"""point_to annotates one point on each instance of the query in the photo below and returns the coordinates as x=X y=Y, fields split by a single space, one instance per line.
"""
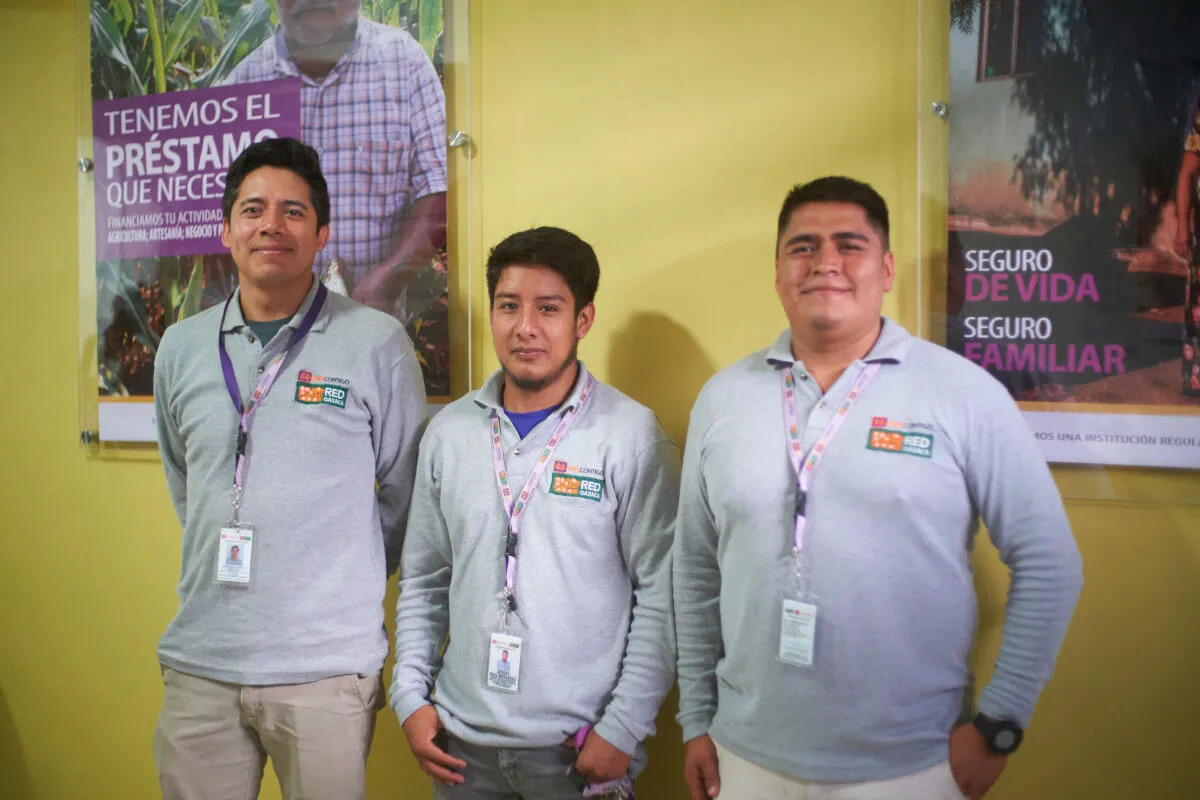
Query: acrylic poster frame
x=121 y=426
x=1142 y=483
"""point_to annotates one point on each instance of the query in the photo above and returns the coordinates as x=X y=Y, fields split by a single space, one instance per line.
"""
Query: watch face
x=1004 y=740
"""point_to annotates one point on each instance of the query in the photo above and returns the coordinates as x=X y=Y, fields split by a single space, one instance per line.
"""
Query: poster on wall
x=180 y=87
x=1072 y=277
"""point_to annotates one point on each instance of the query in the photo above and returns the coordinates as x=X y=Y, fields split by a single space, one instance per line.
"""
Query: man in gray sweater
x=288 y=422
x=832 y=485
x=539 y=543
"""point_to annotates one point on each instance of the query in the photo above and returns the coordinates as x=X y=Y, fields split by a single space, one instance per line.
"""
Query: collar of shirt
x=892 y=345
x=284 y=63
x=234 y=319
x=488 y=396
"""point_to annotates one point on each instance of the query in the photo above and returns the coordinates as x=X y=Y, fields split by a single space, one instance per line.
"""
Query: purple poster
x=161 y=163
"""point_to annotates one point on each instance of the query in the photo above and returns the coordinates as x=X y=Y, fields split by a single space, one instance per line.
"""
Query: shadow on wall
x=14 y=776
x=659 y=364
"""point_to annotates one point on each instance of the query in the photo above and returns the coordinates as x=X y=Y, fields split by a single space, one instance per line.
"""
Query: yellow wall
x=665 y=133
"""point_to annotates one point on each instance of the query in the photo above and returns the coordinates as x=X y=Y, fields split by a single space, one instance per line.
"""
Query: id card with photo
x=504 y=662
x=797 y=632
x=235 y=549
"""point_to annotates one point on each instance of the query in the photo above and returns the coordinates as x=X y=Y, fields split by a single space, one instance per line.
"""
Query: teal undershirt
x=265 y=331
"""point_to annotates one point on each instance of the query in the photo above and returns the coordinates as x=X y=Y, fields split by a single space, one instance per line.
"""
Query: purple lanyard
x=805 y=467
x=260 y=391
x=516 y=512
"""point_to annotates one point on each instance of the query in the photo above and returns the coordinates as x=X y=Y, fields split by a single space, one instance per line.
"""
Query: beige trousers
x=742 y=780
x=213 y=739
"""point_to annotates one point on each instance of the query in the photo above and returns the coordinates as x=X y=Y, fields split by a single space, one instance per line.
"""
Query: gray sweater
x=324 y=538
x=593 y=578
x=889 y=537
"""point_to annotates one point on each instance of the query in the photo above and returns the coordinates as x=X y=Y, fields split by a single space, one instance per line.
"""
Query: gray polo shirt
x=932 y=445
x=345 y=413
x=593 y=575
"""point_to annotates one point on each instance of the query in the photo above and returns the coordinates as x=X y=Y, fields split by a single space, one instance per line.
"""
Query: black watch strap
x=1002 y=737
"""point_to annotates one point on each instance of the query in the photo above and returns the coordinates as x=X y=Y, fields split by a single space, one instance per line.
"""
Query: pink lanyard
x=805 y=467
x=516 y=512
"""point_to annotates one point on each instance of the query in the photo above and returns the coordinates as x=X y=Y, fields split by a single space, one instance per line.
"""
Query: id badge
x=234 y=553
x=797 y=632
x=504 y=662
x=798 y=616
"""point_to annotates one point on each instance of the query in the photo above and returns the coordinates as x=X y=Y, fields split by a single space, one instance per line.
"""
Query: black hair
x=836 y=189
x=285 y=153
x=554 y=248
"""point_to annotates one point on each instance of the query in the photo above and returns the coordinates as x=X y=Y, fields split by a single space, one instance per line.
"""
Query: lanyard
x=260 y=391
x=516 y=512
x=805 y=467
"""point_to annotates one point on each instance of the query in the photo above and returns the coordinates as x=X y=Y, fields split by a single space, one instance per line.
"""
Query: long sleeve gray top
x=932 y=445
x=593 y=582
x=345 y=415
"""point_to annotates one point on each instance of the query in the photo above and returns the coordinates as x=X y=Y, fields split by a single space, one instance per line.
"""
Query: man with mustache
x=541 y=525
x=288 y=420
x=373 y=107
x=832 y=484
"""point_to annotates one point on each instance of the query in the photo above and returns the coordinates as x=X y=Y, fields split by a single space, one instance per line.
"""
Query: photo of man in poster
x=373 y=107
x=1185 y=247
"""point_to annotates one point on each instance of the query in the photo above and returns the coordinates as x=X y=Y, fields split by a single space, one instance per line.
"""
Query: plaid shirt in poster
x=378 y=121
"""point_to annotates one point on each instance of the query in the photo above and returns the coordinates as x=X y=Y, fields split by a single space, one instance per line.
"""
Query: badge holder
x=506 y=651
x=235 y=549
x=798 y=606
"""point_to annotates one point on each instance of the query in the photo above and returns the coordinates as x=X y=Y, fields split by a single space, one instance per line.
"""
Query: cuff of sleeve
x=694 y=724
x=407 y=704
x=992 y=706
x=615 y=734
x=425 y=187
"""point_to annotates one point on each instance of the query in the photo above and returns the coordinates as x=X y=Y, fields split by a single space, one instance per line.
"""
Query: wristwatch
x=1002 y=737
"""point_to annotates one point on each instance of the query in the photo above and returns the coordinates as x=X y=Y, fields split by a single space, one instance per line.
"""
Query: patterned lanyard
x=260 y=391
x=805 y=467
x=516 y=512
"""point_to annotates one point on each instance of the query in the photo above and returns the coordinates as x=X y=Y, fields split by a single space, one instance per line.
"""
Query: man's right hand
x=421 y=729
x=700 y=768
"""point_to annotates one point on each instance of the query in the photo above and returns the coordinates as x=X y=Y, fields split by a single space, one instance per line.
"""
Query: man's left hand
x=974 y=766
x=599 y=761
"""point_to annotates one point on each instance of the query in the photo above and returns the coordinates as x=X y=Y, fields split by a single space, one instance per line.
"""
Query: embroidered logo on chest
x=893 y=436
x=320 y=390
x=572 y=481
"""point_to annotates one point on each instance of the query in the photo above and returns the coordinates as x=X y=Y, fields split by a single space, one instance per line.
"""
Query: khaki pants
x=213 y=738
x=742 y=780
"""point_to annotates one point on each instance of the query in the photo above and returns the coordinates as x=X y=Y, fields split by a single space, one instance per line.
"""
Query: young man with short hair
x=288 y=422
x=541 y=525
x=831 y=489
